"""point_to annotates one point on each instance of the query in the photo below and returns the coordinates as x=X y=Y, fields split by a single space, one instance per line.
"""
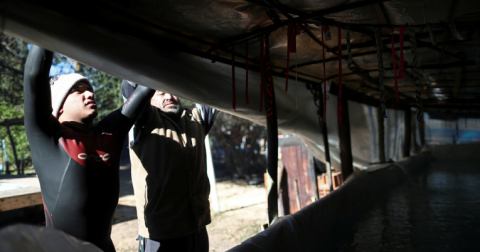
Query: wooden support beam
x=407 y=132
x=302 y=16
x=346 y=157
x=20 y=201
x=360 y=72
x=365 y=99
x=323 y=128
x=284 y=201
x=23 y=191
x=272 y=136
x=421 y=44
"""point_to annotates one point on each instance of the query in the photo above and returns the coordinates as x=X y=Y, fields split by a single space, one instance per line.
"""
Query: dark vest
x=169 y=175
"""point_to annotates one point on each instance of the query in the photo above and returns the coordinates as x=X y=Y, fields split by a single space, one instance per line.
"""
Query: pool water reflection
x=438 y=210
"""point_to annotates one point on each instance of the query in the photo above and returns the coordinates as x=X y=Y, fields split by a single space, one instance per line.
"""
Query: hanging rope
x=416 y=73
x=394 y=66
x=339 y=100
x=246 y=72
x=378 y=38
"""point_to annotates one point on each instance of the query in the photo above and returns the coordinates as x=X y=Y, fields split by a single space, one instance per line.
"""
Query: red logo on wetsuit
x=98 y=158
x=92 y=150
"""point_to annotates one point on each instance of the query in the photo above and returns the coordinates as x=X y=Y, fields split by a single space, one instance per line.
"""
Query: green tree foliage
x=237 y=146
x=9 y=111
x=13 y=53
x=237 y=149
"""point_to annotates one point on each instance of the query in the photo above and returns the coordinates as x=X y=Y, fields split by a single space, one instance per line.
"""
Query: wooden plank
x=18 y=192
x=300 y=185
x=323 y=187
x=20 y=201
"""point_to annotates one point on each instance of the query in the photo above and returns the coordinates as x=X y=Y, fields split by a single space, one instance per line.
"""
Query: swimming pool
x=437 y=210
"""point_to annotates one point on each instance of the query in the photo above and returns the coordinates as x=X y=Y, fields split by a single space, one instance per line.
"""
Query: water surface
x=438 y=210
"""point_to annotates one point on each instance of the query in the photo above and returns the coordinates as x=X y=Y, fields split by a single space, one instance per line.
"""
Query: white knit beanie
x=60 y=86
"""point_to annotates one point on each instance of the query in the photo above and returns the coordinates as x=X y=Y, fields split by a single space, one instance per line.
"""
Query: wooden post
x=17 y=163
x=284 y=199
x=407 y=132
x=272 y=136
x=381 y=135
x=211 y=177
x=346 y=158
x=323 y=127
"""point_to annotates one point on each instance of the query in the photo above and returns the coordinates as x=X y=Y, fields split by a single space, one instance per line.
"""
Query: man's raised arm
x=38 y=107
x=137 y=101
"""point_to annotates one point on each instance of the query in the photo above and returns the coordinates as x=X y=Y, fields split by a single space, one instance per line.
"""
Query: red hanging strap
x=324 y=79
x=402 y=62
x=394 y=65
x=234 y=102
x=262 y=77
x=339 y=100
x=246 y=69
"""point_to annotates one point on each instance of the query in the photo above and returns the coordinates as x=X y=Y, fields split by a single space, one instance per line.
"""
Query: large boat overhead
x=189 y=47
x=364 y=85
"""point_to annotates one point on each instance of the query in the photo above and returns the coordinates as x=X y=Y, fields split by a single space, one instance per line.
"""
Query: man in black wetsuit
x=169 y=174
x=77 y=162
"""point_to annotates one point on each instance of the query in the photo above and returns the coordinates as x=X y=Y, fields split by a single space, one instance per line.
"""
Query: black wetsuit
x=78 y=171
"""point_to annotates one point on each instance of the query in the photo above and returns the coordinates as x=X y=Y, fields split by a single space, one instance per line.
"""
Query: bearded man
x=169 y=173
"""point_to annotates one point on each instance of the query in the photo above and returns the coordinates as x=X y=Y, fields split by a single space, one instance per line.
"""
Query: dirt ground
x=242 y=212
